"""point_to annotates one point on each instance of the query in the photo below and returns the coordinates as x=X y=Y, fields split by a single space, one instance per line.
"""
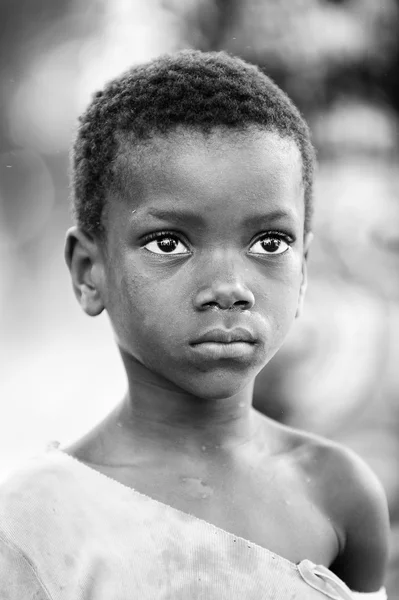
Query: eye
x=271 y=243
x=166 y=243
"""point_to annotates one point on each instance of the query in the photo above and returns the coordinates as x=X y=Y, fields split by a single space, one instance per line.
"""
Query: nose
x=225 y=291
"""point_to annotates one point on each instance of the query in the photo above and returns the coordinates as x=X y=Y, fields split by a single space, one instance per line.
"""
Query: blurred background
x=338 y=373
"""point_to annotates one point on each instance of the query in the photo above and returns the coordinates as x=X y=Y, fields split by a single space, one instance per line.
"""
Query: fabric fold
x=88 y=537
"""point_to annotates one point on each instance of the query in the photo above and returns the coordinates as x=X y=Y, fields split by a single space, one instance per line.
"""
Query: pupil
x=167 y=244
x=271 y=244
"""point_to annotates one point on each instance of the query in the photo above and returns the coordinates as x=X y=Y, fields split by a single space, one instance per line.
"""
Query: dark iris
x=167 y=244
x=271 y=244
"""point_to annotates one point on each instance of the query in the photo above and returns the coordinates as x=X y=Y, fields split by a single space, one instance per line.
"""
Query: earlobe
x=84 y=261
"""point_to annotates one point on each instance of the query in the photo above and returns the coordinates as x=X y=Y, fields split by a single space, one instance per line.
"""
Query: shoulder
x=341 y=472
x=19 y=577
x=29 y=498
x=353 y=499
x=347 y=488
x=46 y=469
x=351 y=490
x=361 y=513
x=35 y=489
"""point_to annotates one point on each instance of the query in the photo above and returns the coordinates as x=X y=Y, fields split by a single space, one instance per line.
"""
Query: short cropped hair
x=198 y=90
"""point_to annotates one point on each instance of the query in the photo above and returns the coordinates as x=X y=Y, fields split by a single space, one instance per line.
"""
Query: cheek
x=150 y=314
x=278 y=289
x=279 y=304
x=147 y=309
x=282 y=313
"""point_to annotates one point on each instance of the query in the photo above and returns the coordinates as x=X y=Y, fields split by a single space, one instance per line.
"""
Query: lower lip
x=216 y=350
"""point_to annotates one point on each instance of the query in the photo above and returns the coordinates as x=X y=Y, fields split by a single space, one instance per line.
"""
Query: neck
x=157 y=411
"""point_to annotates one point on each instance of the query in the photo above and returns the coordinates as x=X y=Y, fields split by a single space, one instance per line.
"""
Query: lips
x=238 y=345
x=226 y=336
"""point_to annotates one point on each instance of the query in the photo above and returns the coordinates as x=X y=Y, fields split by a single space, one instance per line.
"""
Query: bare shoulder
x=353 y=500
x=358 y=505
x=343 y=474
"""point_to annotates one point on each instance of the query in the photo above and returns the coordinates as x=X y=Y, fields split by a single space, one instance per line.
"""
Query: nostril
x=243 y=304
x=239 y=305
x=210 y=305
x=224 y=297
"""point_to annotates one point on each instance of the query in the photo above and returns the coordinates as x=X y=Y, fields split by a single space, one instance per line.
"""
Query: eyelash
x=156 y=235
x=277 y=234
x=162 y=234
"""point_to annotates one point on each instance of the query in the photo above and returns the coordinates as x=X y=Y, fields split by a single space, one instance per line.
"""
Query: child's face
x=185 y=255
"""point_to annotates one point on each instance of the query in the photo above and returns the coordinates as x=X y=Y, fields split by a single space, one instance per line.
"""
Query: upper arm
x=18 y=578
x=362 y=516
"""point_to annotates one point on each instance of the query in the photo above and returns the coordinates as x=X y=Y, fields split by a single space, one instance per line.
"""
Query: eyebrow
x=184 y=217
x=190 y=218
x=272 y=217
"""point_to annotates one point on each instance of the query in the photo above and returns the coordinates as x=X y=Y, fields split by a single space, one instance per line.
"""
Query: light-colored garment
x=381 y=595
x=69 y=533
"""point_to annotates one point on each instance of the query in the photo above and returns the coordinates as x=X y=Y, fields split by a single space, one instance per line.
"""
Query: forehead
x=231 y=170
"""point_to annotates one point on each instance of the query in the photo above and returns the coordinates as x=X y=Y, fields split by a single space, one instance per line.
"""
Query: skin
x=186 y=433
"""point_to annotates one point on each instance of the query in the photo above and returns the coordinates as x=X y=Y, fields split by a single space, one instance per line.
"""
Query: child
x=192 y=184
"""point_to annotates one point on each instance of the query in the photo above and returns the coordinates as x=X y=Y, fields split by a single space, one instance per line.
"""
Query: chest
x=269 y=506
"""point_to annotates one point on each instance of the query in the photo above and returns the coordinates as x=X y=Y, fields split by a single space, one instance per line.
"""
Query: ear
x=306 y=244
x=85 y=261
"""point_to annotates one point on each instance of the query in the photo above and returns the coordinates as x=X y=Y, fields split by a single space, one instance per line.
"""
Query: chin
x=216 y=380
x=218 y=385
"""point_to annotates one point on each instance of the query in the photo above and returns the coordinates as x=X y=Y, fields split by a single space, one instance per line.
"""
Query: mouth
x=226 y=336
x=226 y=343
